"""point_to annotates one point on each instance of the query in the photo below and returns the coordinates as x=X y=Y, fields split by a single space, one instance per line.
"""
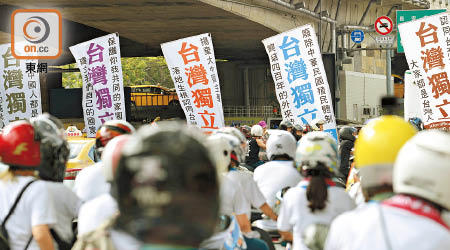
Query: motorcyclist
x=278 y=173
x=316 y=199
x=286 y=125
x=55 y=153
x=416 y=217
x=255 y=144
x=43 y=216
x=166 y=187
x=232 y=195
x=103 y=209
x=317 y=124
x=347 y=141
x=90 y=182
x=297 y=131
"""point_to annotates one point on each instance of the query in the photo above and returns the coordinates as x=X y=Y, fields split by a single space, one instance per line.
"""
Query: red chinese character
x=191 y=51
x=429 y=32
x=210 y=123
x=433 y=58
x=440 y=84
x=443 y=112
x=196 y=74
x=203 y=98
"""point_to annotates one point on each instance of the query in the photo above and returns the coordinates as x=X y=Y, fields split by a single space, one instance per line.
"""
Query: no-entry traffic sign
x=383 y=25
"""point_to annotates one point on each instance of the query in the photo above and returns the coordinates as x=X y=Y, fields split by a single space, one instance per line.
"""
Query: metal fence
x=251 y=111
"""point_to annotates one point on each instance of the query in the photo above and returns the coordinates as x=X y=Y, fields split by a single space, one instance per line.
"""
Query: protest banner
x=193 y=69
x=101 y=69
x=412 y=107
x=426 y=42
x=20 y=91
x=300 y=81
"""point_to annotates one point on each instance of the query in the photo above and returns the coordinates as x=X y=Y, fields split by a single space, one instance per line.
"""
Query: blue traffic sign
x=357 y=36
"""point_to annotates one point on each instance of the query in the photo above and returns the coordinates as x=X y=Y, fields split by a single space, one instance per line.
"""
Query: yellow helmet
x=377 y=146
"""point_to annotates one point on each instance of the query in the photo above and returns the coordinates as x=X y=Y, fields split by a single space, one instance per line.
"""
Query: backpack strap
x=11 y=210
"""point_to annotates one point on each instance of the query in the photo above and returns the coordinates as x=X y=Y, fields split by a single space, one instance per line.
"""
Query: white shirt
x=249 y=187
x=95 y=212
x=232 y=199
x=66 y=205
x=361 y=229
x=91 y=182
x=296 y=215
x=273 y=176
x=34 y=208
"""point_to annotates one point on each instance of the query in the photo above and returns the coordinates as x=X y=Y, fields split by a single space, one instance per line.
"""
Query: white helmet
x=315 y=124
x=422 y=167
x=220 y=146
x=111 y=155
x=317 y=147
x=280 y=143
x=257 y=130
x=239 y=151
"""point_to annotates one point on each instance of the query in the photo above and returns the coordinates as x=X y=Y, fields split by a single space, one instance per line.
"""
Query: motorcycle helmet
x=109 y=130
x=242 y=149
x=166 y=187
x=422 y=167
x=257 y=130
x=220 y=146
x=20 y=147
x=53 y=146
x=37 y=145
x=315 y=124
x=285 y=124
x=417 y=123
x=346 y=133
x=111 y=155
x=281 y=143
x=377 y=146
x=317 y=150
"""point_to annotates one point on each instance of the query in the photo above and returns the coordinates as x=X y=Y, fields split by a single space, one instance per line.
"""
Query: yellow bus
x=153 y=95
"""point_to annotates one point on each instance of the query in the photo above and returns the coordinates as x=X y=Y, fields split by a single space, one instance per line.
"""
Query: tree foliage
x=136 y=71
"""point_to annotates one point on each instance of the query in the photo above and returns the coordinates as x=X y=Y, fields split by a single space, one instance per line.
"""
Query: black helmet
x=53 y=146
x=166 y=187
x=346 y=133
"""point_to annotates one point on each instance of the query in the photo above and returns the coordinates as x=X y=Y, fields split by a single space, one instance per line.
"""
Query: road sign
x=384 y=39
x=357 y=36
x=383 y=25
x=409 y=15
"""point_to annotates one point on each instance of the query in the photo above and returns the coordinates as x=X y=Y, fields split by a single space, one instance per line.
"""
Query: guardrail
x=251 y=111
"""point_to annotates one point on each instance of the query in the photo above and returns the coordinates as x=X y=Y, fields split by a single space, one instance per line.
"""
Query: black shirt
x=253 y=154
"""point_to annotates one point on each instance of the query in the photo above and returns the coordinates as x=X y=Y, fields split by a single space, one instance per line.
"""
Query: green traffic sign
x=409 y=15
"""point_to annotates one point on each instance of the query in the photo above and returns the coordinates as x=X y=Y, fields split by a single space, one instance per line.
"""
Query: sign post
x=384 y=26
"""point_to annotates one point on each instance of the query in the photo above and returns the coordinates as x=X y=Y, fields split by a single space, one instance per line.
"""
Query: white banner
x=427 y=49
x=101 y=69
x=20 y=90
x=300 y=81
x=412 y=95
x=192 y=66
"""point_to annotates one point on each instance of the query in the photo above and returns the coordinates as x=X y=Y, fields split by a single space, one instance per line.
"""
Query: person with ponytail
x=308 y=209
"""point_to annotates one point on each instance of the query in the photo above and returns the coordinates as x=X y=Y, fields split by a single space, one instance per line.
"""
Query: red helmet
x=19 y=145
x=109 y=130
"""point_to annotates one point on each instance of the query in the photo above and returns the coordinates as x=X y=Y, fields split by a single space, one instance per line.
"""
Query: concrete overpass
x=237 y=28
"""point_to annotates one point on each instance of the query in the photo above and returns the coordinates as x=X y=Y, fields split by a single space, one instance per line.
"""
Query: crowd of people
x=168 y=186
